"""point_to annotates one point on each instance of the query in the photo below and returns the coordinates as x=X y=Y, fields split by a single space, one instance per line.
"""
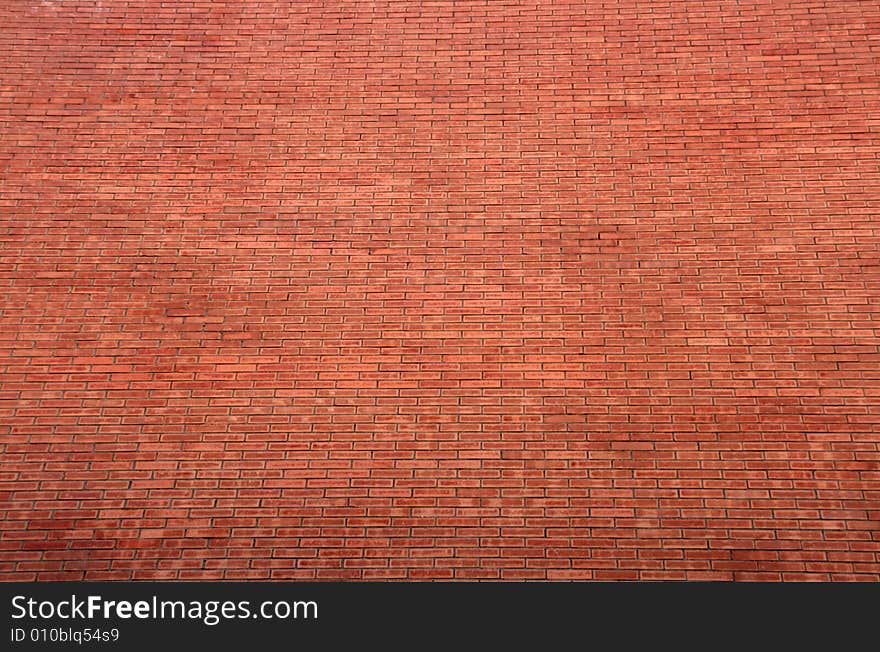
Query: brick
x=460 y=291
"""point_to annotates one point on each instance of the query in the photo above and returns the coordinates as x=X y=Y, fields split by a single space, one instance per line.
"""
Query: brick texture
x=464 y=290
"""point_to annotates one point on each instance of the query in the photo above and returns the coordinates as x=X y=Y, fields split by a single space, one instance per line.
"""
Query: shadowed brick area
x=410 y=290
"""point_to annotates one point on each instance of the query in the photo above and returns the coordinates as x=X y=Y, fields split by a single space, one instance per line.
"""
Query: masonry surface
x=457 y=290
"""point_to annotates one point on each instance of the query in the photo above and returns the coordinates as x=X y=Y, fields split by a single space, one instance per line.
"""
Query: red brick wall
x=517 y=290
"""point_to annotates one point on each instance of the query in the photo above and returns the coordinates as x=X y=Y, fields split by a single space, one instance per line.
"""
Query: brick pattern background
x=476 y=289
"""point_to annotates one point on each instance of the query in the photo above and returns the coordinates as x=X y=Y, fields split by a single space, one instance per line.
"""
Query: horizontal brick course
x=440 y=290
